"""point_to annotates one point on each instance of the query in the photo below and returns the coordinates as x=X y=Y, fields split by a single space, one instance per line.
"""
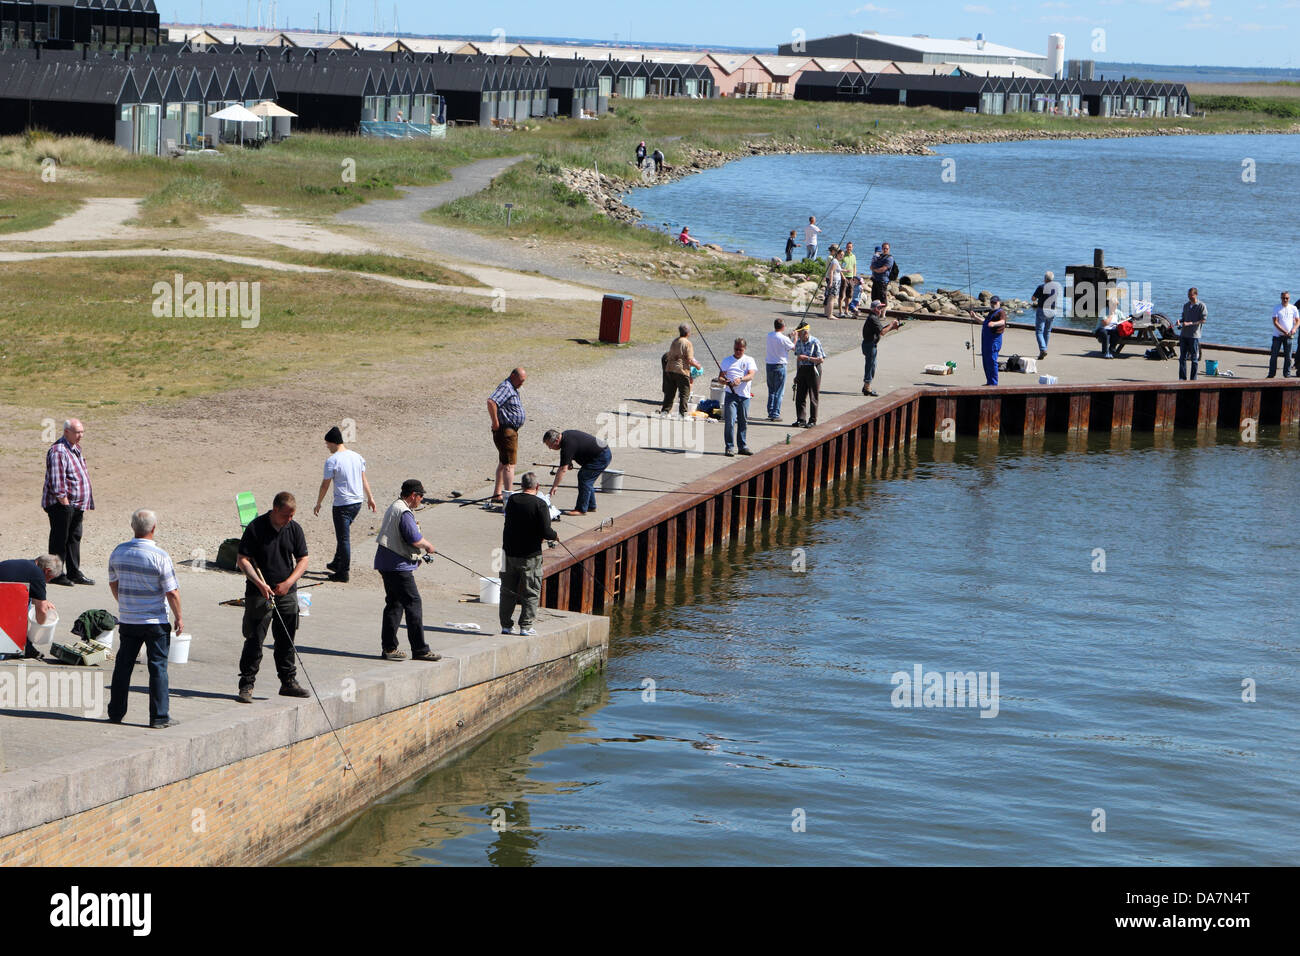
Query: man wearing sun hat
x=809 y=356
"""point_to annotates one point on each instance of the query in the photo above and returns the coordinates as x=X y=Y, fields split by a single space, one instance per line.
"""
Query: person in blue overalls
x=991 y=339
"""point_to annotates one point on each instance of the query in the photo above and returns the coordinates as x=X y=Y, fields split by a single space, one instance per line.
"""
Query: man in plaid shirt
x=66 y=498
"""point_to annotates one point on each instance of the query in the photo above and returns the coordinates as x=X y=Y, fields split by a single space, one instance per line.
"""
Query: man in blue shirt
x=809 y=356
x=143 y=581
x=882 y=264
x=507 y=414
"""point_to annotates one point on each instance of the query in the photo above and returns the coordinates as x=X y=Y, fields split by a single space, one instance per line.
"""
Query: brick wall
x=259 y=809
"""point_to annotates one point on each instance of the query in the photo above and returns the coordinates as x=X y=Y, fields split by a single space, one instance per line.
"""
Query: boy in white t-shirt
x=347 y=470
x=1285 y=320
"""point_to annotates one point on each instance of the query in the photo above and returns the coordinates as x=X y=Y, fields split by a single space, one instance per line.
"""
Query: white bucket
x=489 y=590
x=717 y=393
x=304 y=604
x=611 y=481
x=41 y=635
x=180 y=649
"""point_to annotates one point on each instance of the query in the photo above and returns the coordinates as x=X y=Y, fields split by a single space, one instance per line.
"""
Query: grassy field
x=82 y=334
x=1284 y=89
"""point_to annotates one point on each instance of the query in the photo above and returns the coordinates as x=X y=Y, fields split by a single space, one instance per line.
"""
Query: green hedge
x=1285 y=108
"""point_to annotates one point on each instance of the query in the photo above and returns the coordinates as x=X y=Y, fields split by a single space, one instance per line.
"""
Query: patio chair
x=246 y=507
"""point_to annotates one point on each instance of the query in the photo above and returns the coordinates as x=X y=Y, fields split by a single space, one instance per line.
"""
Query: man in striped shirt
x=66 y=497
x=143 y=581
x=507 y=414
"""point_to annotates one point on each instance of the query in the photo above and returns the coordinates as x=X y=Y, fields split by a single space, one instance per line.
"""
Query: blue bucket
x=1211 y=367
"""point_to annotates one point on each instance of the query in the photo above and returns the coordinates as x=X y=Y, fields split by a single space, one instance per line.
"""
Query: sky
x=1246 y=33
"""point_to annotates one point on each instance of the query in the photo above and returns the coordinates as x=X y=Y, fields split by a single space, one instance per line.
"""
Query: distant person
x=143 y=581
x=809 y=356
x=658 y=157
x=1189 y=334
x=791 y=244
x=506 y=411
x=400 y=118
x=640 y=154
x=882 y=264
x=1046 y=301
x=834 y=278
x=527 y=525
x=592 y=457
x=400 y=547
x=849 y=262
x=1107 y=331
x=66 y=497
x=779 y=347
x=810 y=233
x=874 y=328
x=1285 y=321
x=347 y=470
x=995 y=323
x=36 y=574
x=738 y=371
x=272 y=556
x=678 y=363
x=686 y=239
x=856 y=297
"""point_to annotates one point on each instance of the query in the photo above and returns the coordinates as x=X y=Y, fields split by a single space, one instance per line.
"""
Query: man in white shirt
x=347 y=470
x=779 y=346
x=810 y=232
x=1285 y=320
x=738 y=370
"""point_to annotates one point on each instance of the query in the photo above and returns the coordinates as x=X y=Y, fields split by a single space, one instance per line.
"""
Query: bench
x=1153 y=330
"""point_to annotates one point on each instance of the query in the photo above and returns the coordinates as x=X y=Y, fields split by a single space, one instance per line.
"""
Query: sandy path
x=97 y=220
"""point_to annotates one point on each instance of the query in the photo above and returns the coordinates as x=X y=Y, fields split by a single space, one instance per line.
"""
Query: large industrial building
x=916 y=49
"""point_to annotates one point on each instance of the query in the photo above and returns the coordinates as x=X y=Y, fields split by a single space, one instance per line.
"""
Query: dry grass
x=1268 y=90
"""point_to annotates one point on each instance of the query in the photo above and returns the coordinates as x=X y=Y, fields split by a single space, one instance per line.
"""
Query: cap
x=803 y=326
x=412 y=486
x=334 y=436
x=995 y=301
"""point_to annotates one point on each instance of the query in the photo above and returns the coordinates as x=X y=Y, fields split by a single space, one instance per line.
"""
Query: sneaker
x=746 y=451
x=730 y=453
x=245 y=695
x=163 y=724
x=293 y=689
x=528 y=631
x=508 y=630
x=396 y=655
x=426 y=654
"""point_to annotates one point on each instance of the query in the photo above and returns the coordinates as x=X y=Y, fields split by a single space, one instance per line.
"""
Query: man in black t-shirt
x=528 y=522
x=875 y=326
x=273 y=556
x=35 y=574
x=592 y=455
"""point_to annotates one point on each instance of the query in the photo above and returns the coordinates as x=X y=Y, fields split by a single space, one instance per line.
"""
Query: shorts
x=507 y=441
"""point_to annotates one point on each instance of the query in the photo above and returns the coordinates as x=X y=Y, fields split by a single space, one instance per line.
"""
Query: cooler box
x=616 y=319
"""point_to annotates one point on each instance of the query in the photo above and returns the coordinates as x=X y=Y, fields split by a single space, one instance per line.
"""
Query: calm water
x=1173 y=211
x=1119 y=690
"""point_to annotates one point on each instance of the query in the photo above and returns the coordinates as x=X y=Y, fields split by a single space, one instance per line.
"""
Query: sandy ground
x=425 y=416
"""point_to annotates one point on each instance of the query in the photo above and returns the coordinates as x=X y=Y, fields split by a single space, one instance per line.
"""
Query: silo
x=1056 y=55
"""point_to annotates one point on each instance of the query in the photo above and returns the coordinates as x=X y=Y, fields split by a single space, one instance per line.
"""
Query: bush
x=1283 y=108
x=184 y=198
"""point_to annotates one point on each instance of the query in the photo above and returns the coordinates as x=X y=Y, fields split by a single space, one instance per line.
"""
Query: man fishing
x=995 y=323
x=738 y=370
x=1189 y=334
x=401 y=545
x=809 y=356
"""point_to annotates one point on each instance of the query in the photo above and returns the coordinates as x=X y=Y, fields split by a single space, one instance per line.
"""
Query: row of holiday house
x=1000 y=94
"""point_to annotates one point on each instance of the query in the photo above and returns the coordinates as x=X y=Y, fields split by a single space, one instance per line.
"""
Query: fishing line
x=870 y=187
x=969 y=296
x=275 y=609
x=703 y=339
x=589 y=573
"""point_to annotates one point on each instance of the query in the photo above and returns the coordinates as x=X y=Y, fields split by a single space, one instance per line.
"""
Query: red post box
x=616 y=319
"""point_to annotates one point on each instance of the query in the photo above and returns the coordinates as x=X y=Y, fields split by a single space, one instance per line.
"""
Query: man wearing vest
x=397 y=557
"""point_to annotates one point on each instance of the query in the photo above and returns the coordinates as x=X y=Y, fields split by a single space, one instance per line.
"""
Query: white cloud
x=1055 y=5
x=871 y=8
x=978 y=8
x=1189 y=5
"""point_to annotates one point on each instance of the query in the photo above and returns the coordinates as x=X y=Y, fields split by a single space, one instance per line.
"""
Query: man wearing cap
x=809 y=356
x=882 y=264
x=873 y=329
x=347 y=470
x=507 y=414
x=994 y=325
x=396 y=558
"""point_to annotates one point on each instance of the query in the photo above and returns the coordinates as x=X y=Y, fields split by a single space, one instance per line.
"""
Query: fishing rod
x=870 y=187
x=721 y=373
x=584 y=567
x=968 y=296
x=678 y=491
x=628 y=474
x=275 y=609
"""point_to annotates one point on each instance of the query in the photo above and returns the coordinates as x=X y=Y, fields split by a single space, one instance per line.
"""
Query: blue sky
x=1252 y=33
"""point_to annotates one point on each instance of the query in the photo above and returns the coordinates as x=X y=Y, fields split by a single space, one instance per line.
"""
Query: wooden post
x=650 y=559
x=631 y=567
x=1290 y=414
x=990 y=418
x=609 y=578
x=1035 y=416
x=1250 y=400
x=710 y=536
x=1207 y=412
x=1080 y=407
x=1121 y=416
x=944 y=408
x=586 y=585
x=724 y=516
x=914 y=422
x=1166 y=407
x=668 y=556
